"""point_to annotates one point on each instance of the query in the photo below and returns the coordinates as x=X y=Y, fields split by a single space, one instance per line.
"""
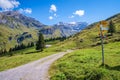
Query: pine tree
x=1 y=52
x=5 y=51
x=32 y=44
x=29 y=45
x=10 y=51
x=22 y=46
x=40 y=45
x=16 y=47
x=111 y=28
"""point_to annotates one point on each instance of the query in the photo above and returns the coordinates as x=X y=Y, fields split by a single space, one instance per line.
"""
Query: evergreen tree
x=1 y=52
x=111 y=28
x=5 y=52
x=10 y=51
x=40 y=45
x=16 y=47
x=22 y=46
x=32 y=44
x=29 y=45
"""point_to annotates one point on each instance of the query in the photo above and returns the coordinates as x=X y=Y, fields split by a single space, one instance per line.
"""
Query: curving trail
x=37 y=70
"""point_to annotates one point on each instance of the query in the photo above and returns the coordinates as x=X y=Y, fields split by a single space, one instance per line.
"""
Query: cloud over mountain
x=8 y=4
x=27 y=10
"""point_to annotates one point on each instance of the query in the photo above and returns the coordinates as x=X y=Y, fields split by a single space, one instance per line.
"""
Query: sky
x=50 y=12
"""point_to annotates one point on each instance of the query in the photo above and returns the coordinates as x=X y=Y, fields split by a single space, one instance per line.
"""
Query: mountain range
x=16 y=28
x=90 y=36
x=63 y=29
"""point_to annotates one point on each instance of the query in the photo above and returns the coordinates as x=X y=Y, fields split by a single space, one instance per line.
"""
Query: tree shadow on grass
x=117 y=68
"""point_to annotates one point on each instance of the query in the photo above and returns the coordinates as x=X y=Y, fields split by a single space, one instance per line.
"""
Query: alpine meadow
x=59 y=40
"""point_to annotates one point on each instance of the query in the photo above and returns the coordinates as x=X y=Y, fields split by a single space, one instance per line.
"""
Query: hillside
x=87 y=59
x=85 y=64
x=90 y=36
x=63 y=29
x=16 y=28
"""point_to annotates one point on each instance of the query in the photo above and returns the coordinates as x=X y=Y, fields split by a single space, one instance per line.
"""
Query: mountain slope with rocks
x=16 y=28
x=63 y=29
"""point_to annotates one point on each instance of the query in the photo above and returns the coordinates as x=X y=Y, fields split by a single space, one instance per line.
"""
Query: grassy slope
x=89 y=36
x=87 y=60
x=27 y=55
x=85 y=64
x=24 y=56
x=6 y=32
x=55 y=34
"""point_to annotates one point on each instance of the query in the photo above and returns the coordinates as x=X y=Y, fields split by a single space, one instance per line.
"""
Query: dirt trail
x=37 y=70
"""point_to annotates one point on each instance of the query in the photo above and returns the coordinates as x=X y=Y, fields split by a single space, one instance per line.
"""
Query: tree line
x=40 y=45
x=4 y=52
x=58 y=38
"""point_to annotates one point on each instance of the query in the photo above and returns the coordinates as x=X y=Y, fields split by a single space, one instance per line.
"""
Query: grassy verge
x=85 y=64
x=26 y=55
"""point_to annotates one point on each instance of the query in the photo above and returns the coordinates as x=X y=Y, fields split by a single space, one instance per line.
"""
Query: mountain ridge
x=90 y=35
x=16 y=28
x=64 y=29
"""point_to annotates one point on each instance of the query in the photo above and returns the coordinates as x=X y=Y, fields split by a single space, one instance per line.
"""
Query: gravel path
x=37 y=70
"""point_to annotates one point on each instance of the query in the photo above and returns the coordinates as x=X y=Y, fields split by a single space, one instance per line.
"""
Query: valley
x=16 y=28
x=37 y=68
x=83 y=63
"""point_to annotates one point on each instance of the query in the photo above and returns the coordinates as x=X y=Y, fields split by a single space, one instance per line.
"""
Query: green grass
x=90 y=36
x=85 y=64
x=6 y=32
x=26 y=55
x=53 y=42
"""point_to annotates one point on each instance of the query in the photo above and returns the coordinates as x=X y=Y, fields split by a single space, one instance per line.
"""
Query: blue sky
x=53 y=11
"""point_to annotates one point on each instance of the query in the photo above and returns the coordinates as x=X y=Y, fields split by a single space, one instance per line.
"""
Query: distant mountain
x=63 y=29
x=15 y=18
x=90 y=35
x=16 y=28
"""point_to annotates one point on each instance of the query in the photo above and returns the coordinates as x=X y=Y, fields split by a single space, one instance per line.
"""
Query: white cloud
x=50 y=17
x=79 y=12
x=55 y=15
x=53 y=8
x=27 y=10
x=71 y=16
x=8 y=4
x=72 y=23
